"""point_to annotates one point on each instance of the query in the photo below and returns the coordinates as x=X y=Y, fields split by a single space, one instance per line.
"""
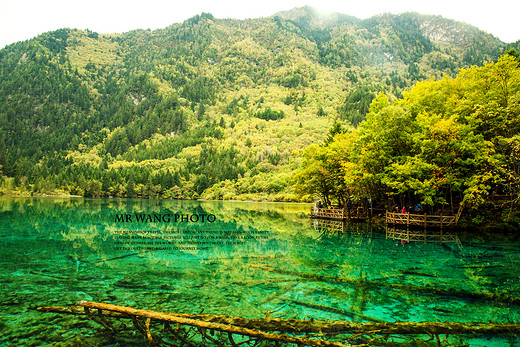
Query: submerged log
x=294 y=325
x=231 y=329
x=370 y=284
x=352 y=315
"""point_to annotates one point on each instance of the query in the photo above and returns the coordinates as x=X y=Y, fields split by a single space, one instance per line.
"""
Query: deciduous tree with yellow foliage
x=444 y=143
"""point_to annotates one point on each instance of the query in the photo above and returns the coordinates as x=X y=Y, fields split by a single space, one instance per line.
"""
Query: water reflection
x=253 y=259
x=409 y=234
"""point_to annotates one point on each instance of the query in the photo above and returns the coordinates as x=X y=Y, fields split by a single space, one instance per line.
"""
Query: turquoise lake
x=244 y=259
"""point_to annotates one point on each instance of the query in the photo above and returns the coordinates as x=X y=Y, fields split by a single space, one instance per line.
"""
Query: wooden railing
x=421 y=220
x=338 y=213
x=327 y=213
x=500 y=200
x=358 y=213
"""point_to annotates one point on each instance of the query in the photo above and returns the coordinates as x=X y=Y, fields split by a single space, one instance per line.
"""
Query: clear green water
x=253 y=259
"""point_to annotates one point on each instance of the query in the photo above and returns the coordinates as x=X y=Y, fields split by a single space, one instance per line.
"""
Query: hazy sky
x=24 y=19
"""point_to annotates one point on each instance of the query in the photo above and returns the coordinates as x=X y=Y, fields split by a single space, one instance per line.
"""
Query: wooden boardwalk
x=421 y=220
x=339 y=214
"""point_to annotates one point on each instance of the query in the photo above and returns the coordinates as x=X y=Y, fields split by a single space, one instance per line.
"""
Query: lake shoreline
x=487 y=230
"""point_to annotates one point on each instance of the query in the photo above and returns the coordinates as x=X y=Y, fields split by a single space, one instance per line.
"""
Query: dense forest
x=227 y=109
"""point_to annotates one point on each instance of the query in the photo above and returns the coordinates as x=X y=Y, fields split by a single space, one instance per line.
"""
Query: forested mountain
x=212 y=108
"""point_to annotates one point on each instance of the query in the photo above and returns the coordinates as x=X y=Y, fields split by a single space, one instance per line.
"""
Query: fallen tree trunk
x=300 y=326
x=231 y=329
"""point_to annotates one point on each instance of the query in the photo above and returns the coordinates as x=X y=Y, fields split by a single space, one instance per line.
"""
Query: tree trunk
x=259 y=327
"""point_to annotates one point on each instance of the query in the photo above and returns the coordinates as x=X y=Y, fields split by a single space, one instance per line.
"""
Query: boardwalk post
x=437 y=223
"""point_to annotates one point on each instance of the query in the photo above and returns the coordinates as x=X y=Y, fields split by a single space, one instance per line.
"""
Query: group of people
x=418 y=209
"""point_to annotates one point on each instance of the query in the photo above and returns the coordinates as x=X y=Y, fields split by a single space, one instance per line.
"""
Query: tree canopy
x=445 y=142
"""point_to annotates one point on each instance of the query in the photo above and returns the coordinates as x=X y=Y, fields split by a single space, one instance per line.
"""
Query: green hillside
x=208 y=108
